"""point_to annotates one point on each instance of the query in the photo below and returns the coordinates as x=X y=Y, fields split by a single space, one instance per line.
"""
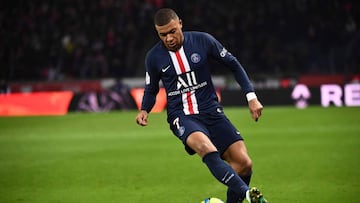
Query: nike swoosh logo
x=165 y=69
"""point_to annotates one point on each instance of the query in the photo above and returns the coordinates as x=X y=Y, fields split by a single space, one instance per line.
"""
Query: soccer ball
x=212 y=200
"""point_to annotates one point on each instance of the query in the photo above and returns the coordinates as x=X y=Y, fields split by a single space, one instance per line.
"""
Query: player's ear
x=180 y=23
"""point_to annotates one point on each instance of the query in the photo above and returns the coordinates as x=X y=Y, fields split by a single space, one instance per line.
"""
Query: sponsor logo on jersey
x=223 y=52
x=186 y=79
x=165 y=69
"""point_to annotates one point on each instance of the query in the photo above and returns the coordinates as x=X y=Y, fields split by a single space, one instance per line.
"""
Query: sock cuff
x=210 y=156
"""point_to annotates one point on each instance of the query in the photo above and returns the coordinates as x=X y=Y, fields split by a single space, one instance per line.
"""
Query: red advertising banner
x=35 y=104
x=74 y=86
x=160 y=104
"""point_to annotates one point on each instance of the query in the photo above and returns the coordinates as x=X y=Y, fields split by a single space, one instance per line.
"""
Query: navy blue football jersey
x=185 y=74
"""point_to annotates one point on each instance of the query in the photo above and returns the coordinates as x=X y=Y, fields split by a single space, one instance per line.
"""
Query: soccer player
x=181 y=61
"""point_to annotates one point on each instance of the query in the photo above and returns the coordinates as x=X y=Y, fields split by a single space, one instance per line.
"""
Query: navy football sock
x=225 y=174
x=247 y=178
x=233 y=196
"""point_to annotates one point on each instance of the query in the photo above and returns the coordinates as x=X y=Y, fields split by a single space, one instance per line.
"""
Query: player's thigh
x=200 y=143
x=237 y=156
x=223 y=133
x=185 y=127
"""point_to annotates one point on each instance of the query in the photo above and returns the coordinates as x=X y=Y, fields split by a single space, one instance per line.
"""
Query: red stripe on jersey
x=188 y=94
x=190 y=103
x=181 y=63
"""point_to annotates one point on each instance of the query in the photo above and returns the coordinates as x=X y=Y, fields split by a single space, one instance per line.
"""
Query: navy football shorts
x=213 y=124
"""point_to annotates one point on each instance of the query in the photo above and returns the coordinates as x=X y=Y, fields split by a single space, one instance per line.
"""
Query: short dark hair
x=164 y=15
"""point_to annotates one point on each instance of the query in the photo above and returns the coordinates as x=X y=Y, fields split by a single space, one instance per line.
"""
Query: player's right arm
x=152 y=79
x=141 y=118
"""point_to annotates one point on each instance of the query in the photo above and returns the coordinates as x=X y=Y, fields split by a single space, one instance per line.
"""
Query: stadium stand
x=45 y=40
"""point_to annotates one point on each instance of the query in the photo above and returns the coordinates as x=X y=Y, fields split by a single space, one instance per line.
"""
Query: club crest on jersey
x=181 y=131
x=195 y=58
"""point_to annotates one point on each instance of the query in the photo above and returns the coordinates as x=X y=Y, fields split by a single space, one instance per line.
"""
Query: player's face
x=171 y=34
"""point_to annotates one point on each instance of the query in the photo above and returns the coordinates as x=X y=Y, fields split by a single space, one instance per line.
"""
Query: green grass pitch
x=309 y=155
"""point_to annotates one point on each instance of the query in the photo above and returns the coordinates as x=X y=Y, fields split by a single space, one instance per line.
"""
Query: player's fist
x=255 y=108
x=141 y=118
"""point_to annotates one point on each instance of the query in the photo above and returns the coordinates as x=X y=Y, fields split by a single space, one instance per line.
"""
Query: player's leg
x=230 y=144
x=223 y=172
x=236 y=155
x=200 y=143
x=193 y=133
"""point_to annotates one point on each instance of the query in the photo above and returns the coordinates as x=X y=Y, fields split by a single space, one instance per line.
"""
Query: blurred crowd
x=87 y=39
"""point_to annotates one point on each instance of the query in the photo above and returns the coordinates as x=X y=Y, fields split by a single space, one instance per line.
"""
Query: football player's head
x=169 y=28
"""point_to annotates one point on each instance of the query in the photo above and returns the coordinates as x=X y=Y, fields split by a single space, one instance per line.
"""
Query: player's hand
x=255 y=109
x=141 y=118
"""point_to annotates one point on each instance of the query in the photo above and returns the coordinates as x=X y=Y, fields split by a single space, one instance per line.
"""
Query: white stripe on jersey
x=183 y=68
x=186 y=107
x=181 y=64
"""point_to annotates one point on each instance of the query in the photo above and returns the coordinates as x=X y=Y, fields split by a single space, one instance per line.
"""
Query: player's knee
x=247 y=167
x=200 y=143
x=204 y=148
x=243 y=167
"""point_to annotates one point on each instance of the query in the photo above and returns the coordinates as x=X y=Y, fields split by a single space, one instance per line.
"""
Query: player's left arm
x=255 y=107
x=226 y=58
